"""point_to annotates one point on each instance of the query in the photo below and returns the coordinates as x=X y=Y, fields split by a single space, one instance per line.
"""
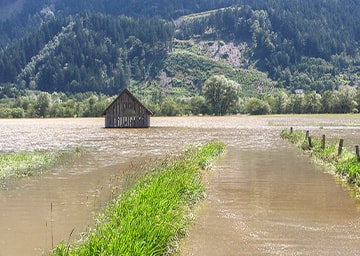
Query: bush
x=256 y=106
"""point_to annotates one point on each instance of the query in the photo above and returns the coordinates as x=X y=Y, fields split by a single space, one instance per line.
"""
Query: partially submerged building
x=126 y=111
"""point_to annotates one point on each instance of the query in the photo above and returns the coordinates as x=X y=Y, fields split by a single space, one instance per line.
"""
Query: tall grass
x=346 y=165
x=150 y=217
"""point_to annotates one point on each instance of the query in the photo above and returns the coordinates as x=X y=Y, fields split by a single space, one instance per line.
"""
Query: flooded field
x=264 y=196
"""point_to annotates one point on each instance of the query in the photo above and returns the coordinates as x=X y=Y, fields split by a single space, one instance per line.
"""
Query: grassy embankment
x=17 y=165
x=346 y=165
x=151 y=216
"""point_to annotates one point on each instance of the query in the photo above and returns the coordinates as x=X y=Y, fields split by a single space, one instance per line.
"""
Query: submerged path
x=274 y=202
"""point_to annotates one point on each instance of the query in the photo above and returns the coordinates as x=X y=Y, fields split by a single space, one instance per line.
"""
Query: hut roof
x=133 y=97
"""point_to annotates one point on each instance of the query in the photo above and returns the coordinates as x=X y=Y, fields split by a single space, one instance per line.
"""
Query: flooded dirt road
x=264 y=196
x=253 y=210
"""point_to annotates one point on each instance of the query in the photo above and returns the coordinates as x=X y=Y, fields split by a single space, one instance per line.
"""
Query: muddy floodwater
x=264 y=196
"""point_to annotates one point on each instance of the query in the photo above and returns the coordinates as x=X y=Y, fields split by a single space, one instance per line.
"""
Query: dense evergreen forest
x=91 y=52
x=167 y=51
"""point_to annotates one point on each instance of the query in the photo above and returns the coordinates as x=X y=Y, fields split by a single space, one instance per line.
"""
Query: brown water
x=264 y=196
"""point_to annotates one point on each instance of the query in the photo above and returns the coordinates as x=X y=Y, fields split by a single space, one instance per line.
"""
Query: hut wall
x=128 y=113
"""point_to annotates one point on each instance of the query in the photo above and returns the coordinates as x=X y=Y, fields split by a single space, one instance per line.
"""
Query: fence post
x=357 y=152
x=291 y=130
x=307 y=135
x=341 y=144
x=323 y=142
x=310 y=143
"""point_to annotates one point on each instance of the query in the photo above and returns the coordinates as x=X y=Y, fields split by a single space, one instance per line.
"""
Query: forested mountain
x=300 y=44
x=170 y=48
x=91 y=52
x=21 y=16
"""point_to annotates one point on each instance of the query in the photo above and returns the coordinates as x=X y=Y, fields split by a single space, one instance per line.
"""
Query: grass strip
x=150 y=217
x=25 y=163
x=345 y=165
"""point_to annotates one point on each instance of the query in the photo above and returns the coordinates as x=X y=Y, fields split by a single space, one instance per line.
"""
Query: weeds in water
x=295 y=137
x=25 y=164
x=152 y=215
x=346 y=165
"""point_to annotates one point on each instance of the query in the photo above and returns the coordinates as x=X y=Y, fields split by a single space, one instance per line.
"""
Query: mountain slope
x=85 y=46
x=92 y=52
x=21 y=17
x=9 y=8
x=299 y=51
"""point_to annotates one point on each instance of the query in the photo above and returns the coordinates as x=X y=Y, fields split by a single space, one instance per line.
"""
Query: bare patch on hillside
x=231 y=52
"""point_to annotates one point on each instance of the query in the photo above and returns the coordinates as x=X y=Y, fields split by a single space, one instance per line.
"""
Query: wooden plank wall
x=128 y=113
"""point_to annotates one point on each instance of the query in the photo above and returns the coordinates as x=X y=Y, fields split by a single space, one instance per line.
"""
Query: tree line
x=43 y=104
x=221 y=96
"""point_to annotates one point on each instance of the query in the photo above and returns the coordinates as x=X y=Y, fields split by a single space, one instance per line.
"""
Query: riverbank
x=150 y=217
x=344 y=163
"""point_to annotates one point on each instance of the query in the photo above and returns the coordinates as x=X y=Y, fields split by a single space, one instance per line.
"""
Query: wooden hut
x=126 y=111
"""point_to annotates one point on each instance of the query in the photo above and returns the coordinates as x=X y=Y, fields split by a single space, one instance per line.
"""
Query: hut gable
x=126 y=111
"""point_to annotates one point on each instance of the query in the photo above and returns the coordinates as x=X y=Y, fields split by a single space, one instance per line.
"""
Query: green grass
x=152 y=216
x=346 y=165
x=25 y=163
